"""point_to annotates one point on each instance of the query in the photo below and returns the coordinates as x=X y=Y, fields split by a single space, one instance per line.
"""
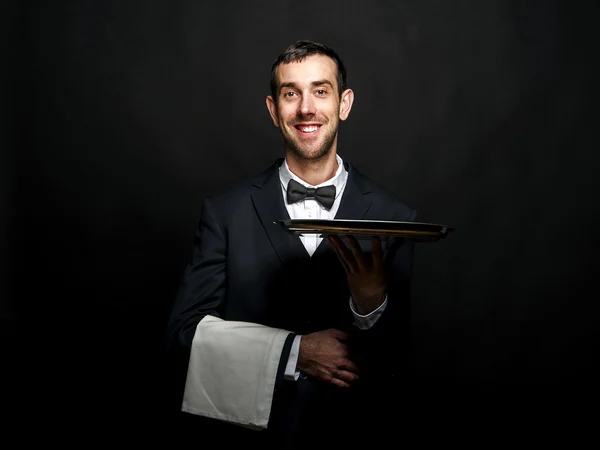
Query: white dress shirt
x=309 y=208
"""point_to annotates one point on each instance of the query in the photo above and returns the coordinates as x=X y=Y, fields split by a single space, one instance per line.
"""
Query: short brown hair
x=301 y=50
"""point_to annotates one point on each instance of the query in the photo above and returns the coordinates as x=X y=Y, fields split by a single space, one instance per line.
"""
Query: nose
x=307 y=105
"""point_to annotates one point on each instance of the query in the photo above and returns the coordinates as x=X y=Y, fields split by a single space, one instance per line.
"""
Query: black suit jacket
x=246 y=267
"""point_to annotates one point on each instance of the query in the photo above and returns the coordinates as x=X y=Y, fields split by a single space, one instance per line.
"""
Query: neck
x=313 y=172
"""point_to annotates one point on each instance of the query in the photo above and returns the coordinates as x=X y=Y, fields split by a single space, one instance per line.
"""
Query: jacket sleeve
x=198 y=352
x=386 y=344
x=203 y=287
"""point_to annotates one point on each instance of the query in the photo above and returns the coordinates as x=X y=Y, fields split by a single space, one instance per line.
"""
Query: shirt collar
x=338 y=180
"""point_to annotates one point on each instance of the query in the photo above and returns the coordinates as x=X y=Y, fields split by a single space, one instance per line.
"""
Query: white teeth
x=308 y=129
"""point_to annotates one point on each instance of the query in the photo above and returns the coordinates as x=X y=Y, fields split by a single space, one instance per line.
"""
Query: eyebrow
x=314 y=83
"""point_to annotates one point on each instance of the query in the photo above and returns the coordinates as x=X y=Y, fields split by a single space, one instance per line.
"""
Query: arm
x=214 y=345
x=382 y=281
x=382 y=299
x=388 y=341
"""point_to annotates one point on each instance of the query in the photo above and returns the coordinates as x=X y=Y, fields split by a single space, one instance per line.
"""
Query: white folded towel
x=232 y=370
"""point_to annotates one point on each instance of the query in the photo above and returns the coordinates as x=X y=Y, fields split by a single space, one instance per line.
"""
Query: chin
x=310 y=154
x=315 y=152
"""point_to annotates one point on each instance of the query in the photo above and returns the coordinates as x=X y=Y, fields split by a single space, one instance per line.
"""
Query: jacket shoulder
x=240 y=191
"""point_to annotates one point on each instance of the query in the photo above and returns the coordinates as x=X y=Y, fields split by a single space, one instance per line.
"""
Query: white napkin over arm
x=232 y=371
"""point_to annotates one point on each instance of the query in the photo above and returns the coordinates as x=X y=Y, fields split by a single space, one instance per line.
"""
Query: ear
x=346 y=102
x=272 y=107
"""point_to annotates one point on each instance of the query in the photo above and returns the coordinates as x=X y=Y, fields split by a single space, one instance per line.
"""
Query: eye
x=321 y=92
x=289 y=94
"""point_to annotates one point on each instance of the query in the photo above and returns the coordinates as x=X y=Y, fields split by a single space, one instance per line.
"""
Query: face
x=308 y=109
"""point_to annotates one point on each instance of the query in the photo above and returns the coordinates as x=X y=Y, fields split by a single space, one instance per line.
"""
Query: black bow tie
x=325 y=195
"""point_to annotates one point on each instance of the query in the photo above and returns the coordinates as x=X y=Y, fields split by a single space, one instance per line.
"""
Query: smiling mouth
x=307 y=128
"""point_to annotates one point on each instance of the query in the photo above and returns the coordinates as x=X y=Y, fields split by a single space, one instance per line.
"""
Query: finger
x=340 y=335
x=356 y=251
x=346 y=376
x=339 y=383
x=349 y=366
x=344 y=254
x=336 y=249
x=377 y=252
x=391 y=251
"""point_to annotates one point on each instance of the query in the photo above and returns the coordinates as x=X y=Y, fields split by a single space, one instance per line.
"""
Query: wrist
x=365 y=306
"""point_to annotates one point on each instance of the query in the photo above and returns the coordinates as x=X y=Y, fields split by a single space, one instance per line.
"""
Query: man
x=299 y=337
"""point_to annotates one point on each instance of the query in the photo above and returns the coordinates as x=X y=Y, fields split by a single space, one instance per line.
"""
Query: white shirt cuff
x=290 y=369
x=367 y=321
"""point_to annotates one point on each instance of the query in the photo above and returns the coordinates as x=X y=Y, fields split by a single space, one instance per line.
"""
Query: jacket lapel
x=356 y=200
x=268 y=202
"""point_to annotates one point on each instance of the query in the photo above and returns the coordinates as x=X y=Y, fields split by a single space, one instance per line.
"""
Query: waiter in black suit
x=296 y=341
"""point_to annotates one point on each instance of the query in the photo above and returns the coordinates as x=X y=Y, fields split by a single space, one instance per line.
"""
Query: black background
x=121 y=116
